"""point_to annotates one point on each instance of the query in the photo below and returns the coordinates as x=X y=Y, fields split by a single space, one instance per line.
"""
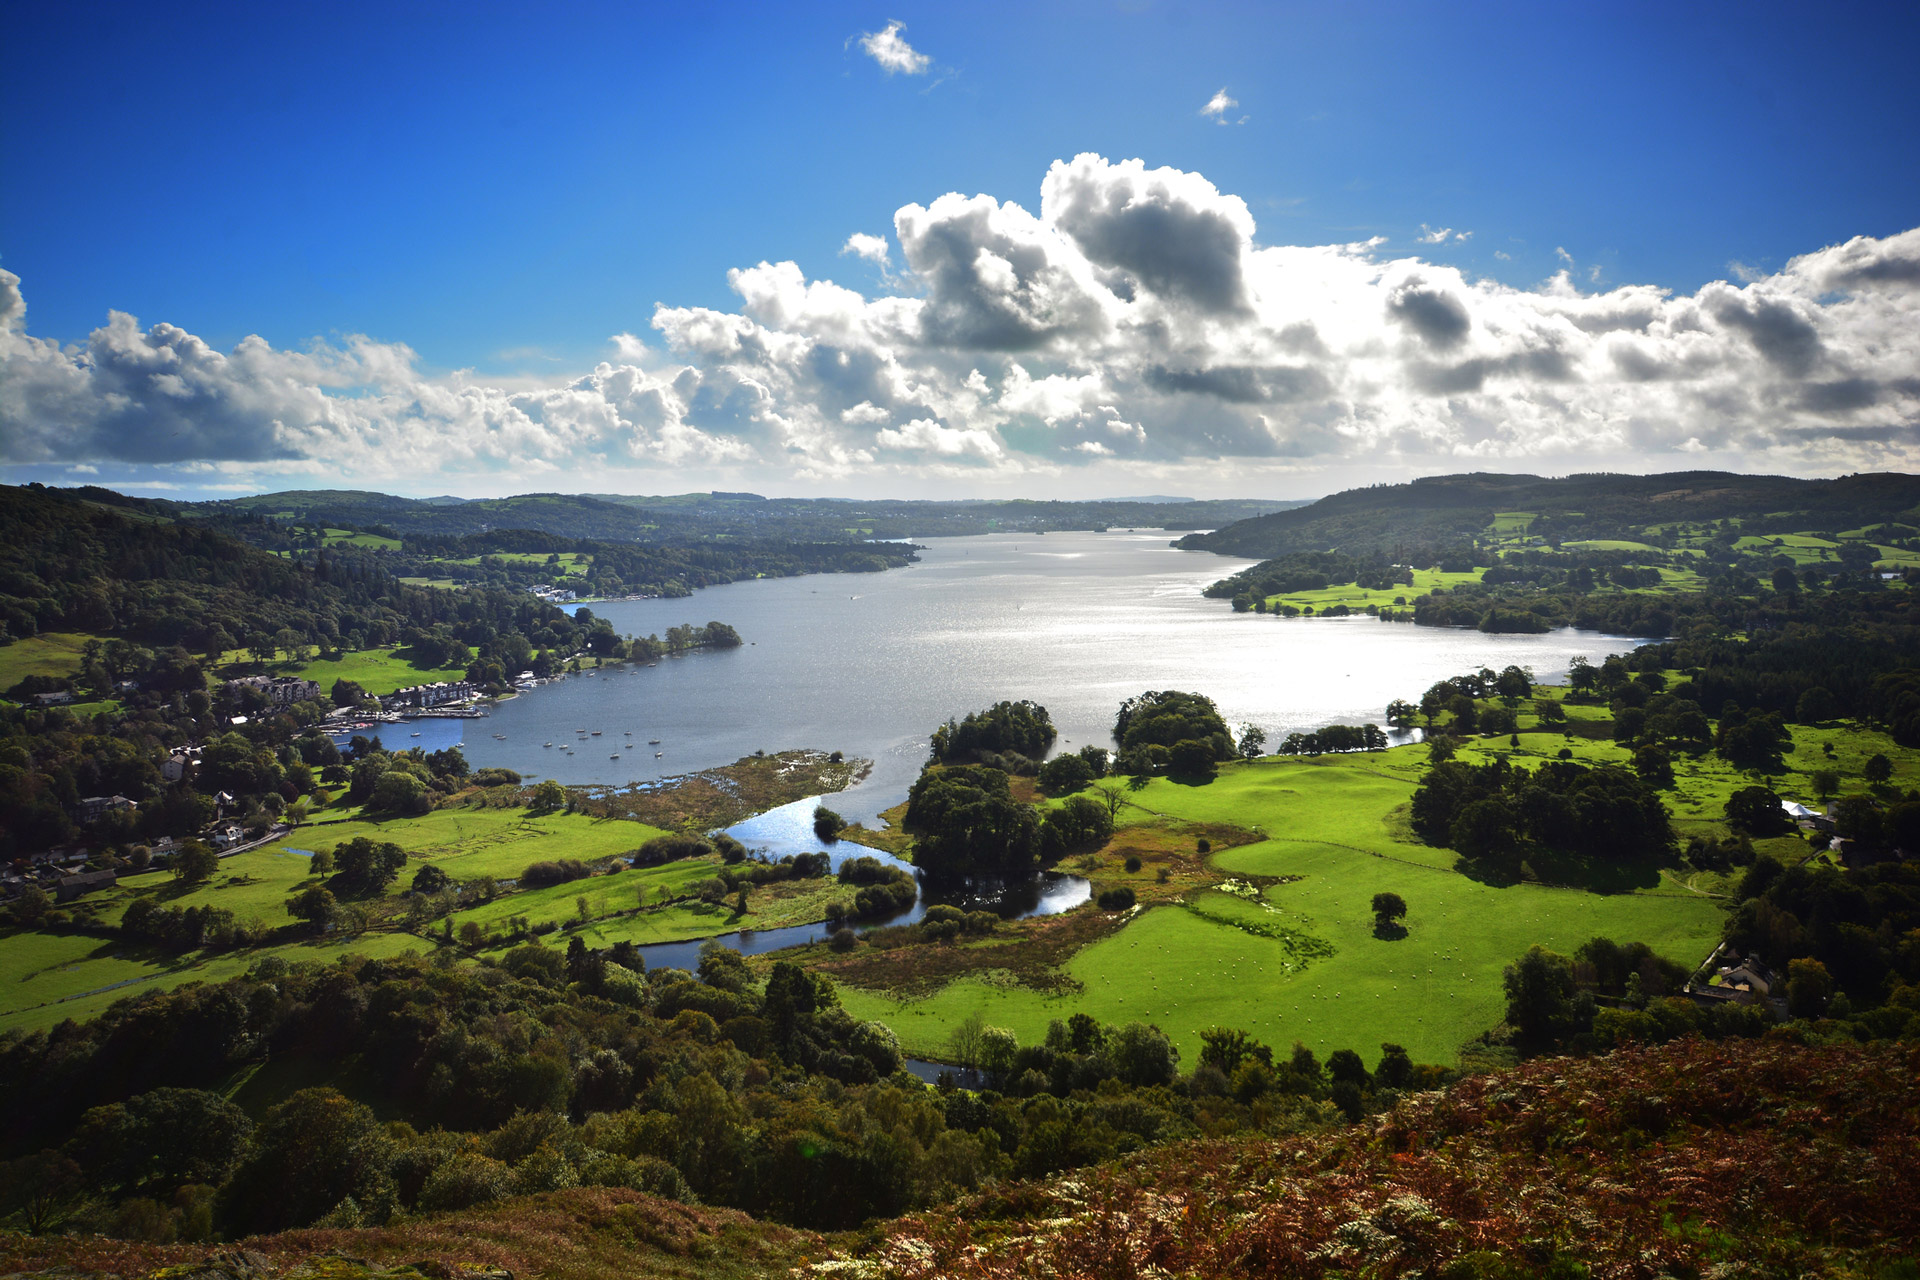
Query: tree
x=1080 y=820
x=430 y=879
x=827 y=824
x=1809 y=988
x=1396 y=1067
x=194 y=863
x=348 y=693
x=311 y=1153
x=1757 y=811
x=315 y=905
x=1226 y=1048
x=1486 y=829
x=1064 y=774
x=156 y=1141
x=964 y=1041
x=1020 y=728
x=1345 y=1067
x=1388 y=910
x=1826 y=783
x=1167 y=717
x=548 y=797
x=1191 y=758
x=400 y=792
x=369 y=865
x=42 y=1189
x=1654 y=766
x=1816 y=705
x=1253 y=742
x=1401 y=713
x=965 y=819
x=1878 y=768
x=1142 y=1055
x=1540 y=991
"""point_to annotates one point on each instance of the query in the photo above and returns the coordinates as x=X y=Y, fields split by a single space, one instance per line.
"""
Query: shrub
x=670 y=848
x=843 y=940
x=467 y=1180
x=556 y=871
x=826 y=823
x=1133 y=862
x=1121 y=899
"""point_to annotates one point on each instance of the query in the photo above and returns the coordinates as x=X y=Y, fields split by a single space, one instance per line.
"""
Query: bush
x=467 y=1180
x=827 y=824
x=843 y=940
x=1081 y=820
x=670 y=848
x=1133 y=862
x=496 y=778
x=1121 y=899
x=555 y=871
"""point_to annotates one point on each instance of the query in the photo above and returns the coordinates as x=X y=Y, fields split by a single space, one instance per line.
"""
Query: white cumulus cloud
x=890 y=49
x=1219 y=107
x=1132 y=321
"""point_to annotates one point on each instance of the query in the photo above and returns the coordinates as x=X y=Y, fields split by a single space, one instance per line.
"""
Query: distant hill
x=1442 y=510
x=699 y=517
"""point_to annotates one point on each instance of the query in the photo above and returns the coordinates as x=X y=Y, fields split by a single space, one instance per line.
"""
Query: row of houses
x=437 y=694
x=280 y=690
x=62 y=884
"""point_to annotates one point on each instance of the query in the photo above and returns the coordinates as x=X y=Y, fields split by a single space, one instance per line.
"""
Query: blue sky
x=503 y=189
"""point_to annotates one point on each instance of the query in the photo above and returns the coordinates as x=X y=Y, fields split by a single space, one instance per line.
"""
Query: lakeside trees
x=1019 y=733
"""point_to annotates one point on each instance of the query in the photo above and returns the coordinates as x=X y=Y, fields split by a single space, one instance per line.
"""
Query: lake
x=869 y=664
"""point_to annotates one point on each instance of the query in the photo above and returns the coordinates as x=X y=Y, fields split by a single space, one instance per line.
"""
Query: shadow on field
x=1569 y=870
x=1595 y=874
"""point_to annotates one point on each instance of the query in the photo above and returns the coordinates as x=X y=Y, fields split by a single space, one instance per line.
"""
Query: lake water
x=869 y=664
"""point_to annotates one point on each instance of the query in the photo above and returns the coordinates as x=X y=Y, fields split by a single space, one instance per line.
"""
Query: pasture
x=1299 y=959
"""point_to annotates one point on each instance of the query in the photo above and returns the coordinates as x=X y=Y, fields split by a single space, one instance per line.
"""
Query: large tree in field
x=1388 y=909
x=368 y=865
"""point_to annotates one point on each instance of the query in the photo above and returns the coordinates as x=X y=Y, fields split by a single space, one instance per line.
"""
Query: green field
x=573 y=564
x=348 y=538
x=438 y=584
x=47 y=978
x=51 y=653
x=1338 y=825
x=1608 y=544
x=377 y=671
x=468 y=842
x=37 y=970
x=1358 y=597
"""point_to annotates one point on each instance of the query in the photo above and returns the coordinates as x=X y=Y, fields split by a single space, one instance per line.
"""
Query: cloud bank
x=1134 y=323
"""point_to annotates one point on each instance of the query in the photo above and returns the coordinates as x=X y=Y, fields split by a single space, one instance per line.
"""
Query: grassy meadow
x=377 y=671
x=1332 y=833
x=51 y=653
